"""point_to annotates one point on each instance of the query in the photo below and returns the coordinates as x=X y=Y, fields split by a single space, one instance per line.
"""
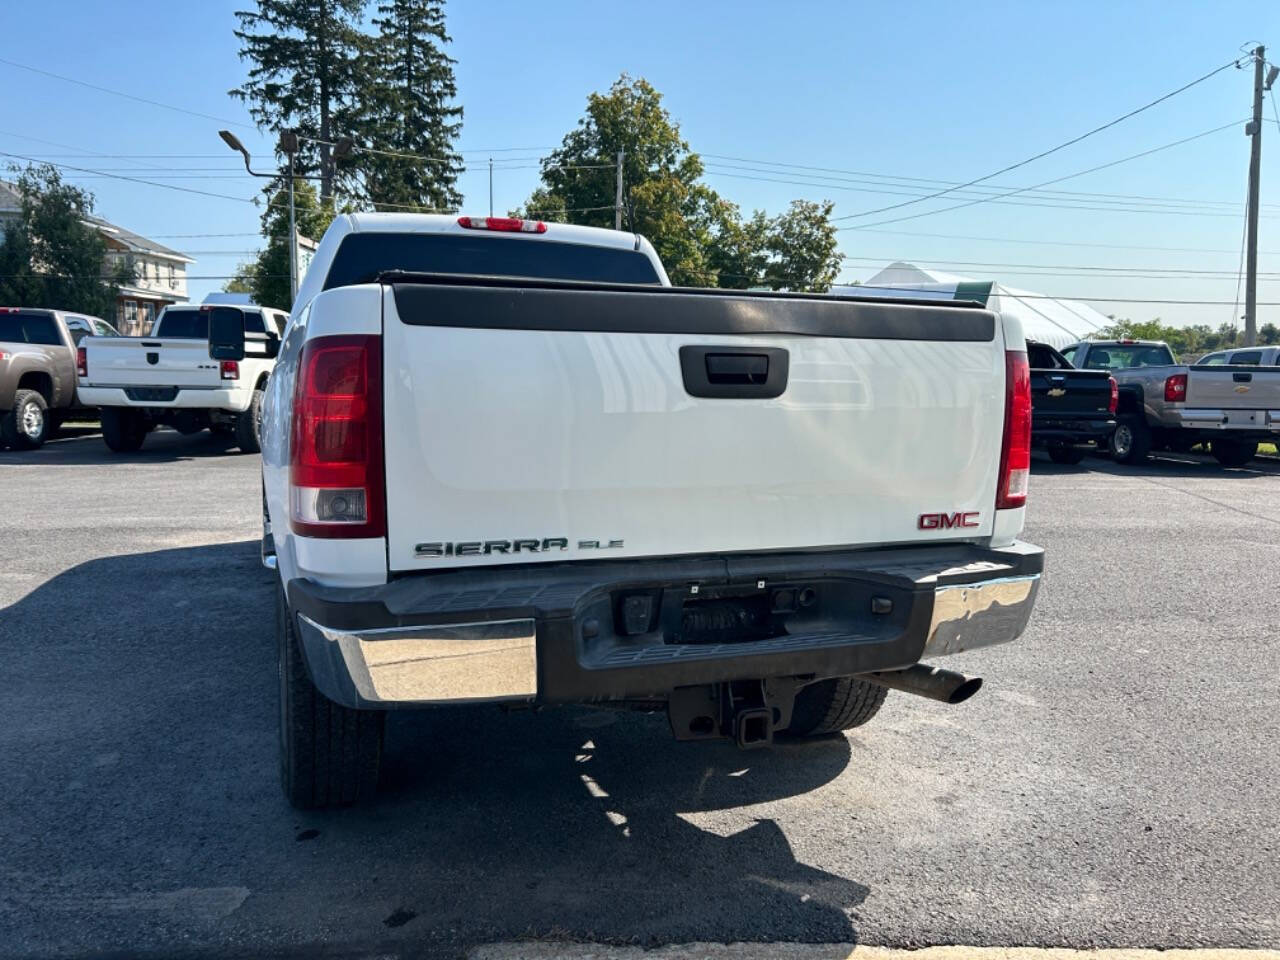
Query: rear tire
x=1131 y=441
x=123 y=430
x=249 y=426
x=27 y=424
x=830 y=706
x=1234 y=453
x=1065 y=453
x=329 y=754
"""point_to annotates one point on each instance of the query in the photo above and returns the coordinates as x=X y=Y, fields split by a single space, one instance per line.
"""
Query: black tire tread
x=1233 y=453
x=123 y=430
x=330 y=754
x=830 y=706
x=246 y=427
x=10 y=435
x=1065 y=454
x=1141 y=439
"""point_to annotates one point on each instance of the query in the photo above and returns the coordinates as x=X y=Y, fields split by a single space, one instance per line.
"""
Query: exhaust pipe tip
x=935 y=683
x=966 y=690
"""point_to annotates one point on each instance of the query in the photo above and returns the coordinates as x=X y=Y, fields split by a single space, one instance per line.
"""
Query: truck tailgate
x=551 y=422
x=143 y=362
x=1234 y=387
x=1064 y=393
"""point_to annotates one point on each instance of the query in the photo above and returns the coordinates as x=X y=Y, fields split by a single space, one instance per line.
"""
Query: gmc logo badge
x=945 y=521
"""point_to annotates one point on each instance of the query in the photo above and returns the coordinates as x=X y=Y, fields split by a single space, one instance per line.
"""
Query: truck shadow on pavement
x=1161 y=464
x=143 y=804
x=84 y=447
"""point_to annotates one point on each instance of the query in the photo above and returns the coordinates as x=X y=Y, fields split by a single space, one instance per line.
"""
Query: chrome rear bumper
x=553 y=635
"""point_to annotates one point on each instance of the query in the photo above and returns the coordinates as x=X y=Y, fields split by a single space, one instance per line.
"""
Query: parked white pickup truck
x=504 y=461
x=168 y=377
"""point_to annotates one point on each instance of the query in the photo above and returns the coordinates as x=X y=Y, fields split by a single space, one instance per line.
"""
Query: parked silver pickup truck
x=1167 y=405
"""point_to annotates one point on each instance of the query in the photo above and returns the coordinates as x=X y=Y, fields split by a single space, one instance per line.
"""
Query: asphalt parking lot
x=1114 y=783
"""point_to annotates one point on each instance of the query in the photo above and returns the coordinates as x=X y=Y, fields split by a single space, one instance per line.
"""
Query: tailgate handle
x=146 y=343
x=737 y=367
x=1242 y=377
x=714 y=371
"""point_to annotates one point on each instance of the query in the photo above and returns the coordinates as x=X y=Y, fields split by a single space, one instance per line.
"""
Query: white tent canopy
x=1046 y=319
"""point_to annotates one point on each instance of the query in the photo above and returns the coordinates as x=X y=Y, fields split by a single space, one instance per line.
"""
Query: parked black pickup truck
x=1070 y=408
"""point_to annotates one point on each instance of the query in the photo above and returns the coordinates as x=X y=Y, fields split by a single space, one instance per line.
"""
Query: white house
x=161 y=273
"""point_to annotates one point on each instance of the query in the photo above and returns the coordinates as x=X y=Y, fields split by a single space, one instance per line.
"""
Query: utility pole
x=1254 y=129
x=289 y=144
x=617 y=197
x=491 y=186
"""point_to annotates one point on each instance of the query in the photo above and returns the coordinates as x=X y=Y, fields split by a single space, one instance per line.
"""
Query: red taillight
x=1015 y=449
x=335 y=462
x=229 y=370
x=1114 y=403
x=82 y=361
x=1175 y=388
x=5 y=355
x=505 y=224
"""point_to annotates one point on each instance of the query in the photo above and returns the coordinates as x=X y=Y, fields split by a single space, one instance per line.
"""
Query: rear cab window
x=1246 y=358
x=183 y=325
x=29 y=326
x=1125 y=356
x=363 y=256
x=1212 y=360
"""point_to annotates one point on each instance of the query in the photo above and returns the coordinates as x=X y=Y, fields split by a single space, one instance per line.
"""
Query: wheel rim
x=1122 y=441
x=32 y=420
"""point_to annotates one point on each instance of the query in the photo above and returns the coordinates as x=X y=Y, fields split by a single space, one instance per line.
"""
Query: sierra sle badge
x=482 y=548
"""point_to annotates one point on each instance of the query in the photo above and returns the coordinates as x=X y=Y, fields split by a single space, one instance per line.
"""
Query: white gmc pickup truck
x=168 y=377
x=505 y=461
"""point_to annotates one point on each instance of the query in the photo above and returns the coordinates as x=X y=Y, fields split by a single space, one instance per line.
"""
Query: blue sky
x=907 y=90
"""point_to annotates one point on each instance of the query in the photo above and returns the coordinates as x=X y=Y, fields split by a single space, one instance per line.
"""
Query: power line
x=1056 y=266
x=904 y=182
x=1070 y=176
x=1021 y=241
x=151 y=183
x=127 y=96
x=1059 y=204
x=1051 y=150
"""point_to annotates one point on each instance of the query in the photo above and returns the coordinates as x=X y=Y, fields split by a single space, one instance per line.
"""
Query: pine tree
x=306 y=74
x=411 y=110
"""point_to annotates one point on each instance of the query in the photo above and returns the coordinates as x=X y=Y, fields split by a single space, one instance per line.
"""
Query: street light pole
x=289 y=145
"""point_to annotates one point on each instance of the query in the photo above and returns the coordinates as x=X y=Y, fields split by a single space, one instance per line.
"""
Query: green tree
x=664 y=199
x=269 y=276
x=244 y=278
x=803 y=244
x=1269 y=334
x=700 y=237
x=1228 y=334
x=50 y=257
x=409 y=108
x=307 y=74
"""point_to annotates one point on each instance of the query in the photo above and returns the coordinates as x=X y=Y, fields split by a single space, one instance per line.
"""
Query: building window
x=173 y=277
x=130 y=317
x=148 y=317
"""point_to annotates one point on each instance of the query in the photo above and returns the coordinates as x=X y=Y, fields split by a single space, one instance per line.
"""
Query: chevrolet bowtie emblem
x=1057 y=392
x=1242 y=389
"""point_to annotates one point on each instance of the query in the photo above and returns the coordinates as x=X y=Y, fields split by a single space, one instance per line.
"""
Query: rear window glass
x=1248 y=358
x=253 y=322
x=1124 y=356
x=184 y=325
x=362 y=256
x=29 y=327
x=1040 y=357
